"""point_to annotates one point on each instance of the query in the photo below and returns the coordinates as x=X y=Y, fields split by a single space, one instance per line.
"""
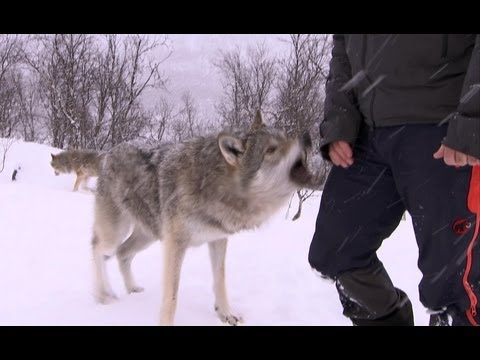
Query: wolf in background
x=188 y=194
x=84 y=163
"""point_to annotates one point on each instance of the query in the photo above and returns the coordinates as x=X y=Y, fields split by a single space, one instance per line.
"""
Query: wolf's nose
x=306 y=140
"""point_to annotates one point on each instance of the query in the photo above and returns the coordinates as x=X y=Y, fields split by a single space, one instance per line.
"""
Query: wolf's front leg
x=78 y=181
x=218 y=250
x=174 y=252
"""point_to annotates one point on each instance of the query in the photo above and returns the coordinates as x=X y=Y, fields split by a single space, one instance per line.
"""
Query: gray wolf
x=413 y=96
x=84 y=163
x=188 y=194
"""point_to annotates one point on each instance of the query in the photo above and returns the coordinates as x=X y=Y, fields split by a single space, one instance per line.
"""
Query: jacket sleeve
x=342 y=117
x=464 y=128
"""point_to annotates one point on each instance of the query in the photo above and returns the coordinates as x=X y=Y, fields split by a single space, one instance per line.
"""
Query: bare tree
x=64 y=67
x=189 y=114
x=11 y=56
x=299 y=101
x=8 y=118
x=6 y=144
x=127 y=72
x=91 y=86
x=248 y=84
x=186 y=123
x=162 y=116
x=30 y=119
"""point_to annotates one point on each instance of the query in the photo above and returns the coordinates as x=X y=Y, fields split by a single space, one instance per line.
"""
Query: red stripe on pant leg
x=473 y=206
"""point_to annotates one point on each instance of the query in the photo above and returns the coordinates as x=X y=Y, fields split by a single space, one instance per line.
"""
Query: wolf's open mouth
x=299 y=173
x=298 y=164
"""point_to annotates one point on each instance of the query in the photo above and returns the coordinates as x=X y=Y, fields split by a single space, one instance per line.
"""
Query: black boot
x=439 y=319
x=402 y=316
x=452 y=316
x=369 y=298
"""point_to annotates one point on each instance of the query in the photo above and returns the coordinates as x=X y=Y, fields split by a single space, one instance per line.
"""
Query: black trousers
x=394 y=171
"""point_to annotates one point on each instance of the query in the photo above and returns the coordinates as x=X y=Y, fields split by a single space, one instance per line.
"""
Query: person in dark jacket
x=402 y=127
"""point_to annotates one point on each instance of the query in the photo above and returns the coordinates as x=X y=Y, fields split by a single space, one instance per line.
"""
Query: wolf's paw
x=105 y=298
x=229 y=317
x=135 y=289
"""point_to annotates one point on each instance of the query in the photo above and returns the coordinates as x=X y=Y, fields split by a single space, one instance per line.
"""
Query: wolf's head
x=267 y=161
x=59 y=164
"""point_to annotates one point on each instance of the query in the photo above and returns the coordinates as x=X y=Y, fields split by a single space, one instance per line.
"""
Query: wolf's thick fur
x=84 y=163
x=187 y=194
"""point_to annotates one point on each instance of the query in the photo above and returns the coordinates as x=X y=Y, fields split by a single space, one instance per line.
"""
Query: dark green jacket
x=399 y=79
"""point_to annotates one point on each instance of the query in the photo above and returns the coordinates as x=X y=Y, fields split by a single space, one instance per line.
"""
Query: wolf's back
x=129 y=178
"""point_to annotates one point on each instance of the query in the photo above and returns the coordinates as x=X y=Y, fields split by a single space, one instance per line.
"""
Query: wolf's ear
x=231 y=149
x=53 y=156
x=258 y=121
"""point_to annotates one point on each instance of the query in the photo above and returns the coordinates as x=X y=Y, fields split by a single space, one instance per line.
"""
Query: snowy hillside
x=46 y=272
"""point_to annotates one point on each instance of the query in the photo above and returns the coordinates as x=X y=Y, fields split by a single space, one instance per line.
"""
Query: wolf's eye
x=271 y=149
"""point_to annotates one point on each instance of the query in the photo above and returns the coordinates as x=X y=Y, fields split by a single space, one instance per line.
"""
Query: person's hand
x=454 y=157
x=341 y=153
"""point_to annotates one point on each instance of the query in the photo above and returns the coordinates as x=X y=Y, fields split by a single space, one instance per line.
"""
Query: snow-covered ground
x=46 y=270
